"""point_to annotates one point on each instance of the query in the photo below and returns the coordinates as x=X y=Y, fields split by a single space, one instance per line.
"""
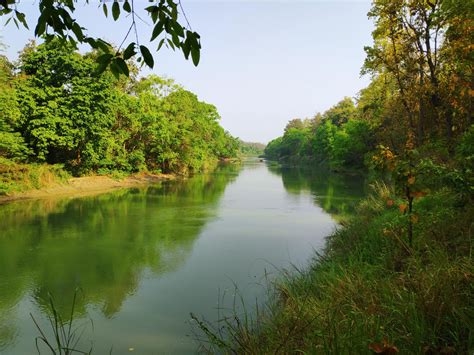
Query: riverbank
x=86 y=185
x=370 y=291
x=31 y=181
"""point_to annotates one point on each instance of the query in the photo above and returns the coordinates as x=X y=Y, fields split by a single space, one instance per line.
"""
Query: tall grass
x=60 y=337
x=369 y=291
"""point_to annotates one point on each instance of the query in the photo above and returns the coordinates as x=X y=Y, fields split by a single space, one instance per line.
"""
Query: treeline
x=251 y=148
x=338 y=138
x=419 y=100
x=56 y=109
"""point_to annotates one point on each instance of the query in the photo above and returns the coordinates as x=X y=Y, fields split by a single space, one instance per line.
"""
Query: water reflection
x=144 y=258
x=337 y=194
x=58 y=245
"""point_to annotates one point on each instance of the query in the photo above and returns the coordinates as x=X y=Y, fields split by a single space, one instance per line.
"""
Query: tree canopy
x=56 y=110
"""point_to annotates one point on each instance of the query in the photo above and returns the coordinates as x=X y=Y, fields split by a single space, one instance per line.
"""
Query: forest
x=418 y=105
x=58 y=110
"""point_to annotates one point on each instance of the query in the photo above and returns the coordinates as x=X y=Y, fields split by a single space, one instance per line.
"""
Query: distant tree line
x=337 y=138
x=419 y=102
x=251 y=148
x=55 y=107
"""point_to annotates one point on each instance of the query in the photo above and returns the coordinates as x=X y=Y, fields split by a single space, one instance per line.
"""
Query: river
x=140 y=260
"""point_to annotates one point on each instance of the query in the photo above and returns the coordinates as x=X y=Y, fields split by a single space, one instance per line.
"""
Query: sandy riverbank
x=87 y=185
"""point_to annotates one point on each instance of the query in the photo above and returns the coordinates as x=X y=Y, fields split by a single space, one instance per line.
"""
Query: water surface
x=144 y=258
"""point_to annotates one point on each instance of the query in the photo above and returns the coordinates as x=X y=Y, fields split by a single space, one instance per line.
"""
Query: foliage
x=272 y=150
x=12 y=144
x=18 y=177
x=420 y=94
x=341 y=112
x=58 y=121
x=251 y=148
x=429 y=69
x=337 y=138
x=351 y=144
x=57 y=22
x=60 y=112
x=465 y=152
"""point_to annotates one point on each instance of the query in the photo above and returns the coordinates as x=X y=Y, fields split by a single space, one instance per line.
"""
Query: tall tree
x=412 y=40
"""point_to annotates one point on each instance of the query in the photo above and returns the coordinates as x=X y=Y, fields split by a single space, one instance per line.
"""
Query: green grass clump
x=369 y=291
x=17 y=177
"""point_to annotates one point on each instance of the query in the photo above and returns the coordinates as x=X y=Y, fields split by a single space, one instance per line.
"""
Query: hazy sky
x=262 y=62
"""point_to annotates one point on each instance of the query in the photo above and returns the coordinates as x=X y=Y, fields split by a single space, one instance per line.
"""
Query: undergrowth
x=17 y=177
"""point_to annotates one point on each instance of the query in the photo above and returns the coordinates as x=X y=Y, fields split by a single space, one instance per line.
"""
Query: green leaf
x=161 y=44
x=104 y=58
x=186 y=48
x=175 y=40
x=129 y=51
x=156 y=31
x=106 y=11
x=104 y=46
x=104 y=61
x=195 y=55
x=41 y=25
x=147 y=57
x=170 y=43
x=178 y=29
x=114 y=68
x=67 y=19
x=91 y=41
x=21 y=17
x=127 y=7
x=77 y=31
x=115 y=10
x=154 y=14
x=122 y=66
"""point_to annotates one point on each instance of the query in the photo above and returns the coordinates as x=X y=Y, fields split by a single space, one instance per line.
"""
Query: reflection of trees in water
x=337 y=194
x=101 y=244
x=8 y=331
x=253 y=163
x=274 y=167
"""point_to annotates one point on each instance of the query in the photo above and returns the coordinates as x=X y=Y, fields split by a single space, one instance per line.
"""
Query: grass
x=63 y=336
x=369 y=291
x=17 y=177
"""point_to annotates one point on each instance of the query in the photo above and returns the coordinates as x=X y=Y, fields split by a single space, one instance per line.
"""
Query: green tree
x=92 y=122
x=65 y=108
x=273 y=149
x=424 y=46
x=12 y=144
x=341 y=112
x=322 y=140
x=351 y=144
